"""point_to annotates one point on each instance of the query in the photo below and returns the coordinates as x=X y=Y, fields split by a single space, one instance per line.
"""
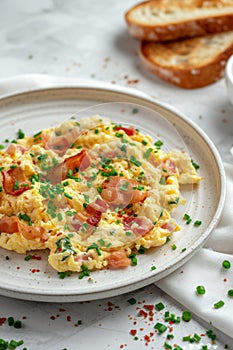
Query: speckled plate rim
x=33 y=84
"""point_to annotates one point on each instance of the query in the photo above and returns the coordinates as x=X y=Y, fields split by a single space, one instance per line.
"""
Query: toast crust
x=187 y=76
x=193 y=18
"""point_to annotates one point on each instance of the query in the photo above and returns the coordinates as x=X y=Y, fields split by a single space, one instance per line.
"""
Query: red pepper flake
x=36 y=257
x=18 y=267
x=225 y=280
x=133 y=332
x=147 y=338
x=62 y=310
x=170 y=329
x=52 y=318
x=34 y=270
x=133 y=81
x=149 y=307
x=2 y=320
x=68 y=318
x=143 y=313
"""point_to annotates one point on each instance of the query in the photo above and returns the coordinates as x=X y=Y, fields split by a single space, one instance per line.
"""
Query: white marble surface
x=87 y=39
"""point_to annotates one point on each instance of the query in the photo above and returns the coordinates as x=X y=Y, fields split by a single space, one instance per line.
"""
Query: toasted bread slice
x=162 y=20
x=189 y=63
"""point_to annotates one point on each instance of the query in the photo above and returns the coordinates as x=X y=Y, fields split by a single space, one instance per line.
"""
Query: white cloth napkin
x=205 y=269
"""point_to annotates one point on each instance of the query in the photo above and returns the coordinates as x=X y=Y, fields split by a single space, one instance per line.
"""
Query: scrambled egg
x=92 y=192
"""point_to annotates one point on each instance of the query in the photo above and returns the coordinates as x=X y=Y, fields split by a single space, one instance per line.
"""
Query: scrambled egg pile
x=92 y=192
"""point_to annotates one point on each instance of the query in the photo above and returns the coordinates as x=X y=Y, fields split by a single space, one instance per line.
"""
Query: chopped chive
x=96 y=247
x=84 y=272
x=186 y=316
x=59 y=216
x=37 y=134
x=219 y=304
x=158 y=143
x=153 y=268
x=134 y=161
x=21 y=134
x=17 y=324
x=226 y=264
x=147 y=153
x=160 y=327
x=1 y=147
x=142 y=250
x=63 y=275
x=28 y=257
x=67 y=195
x=144 y=142
x=195 y=165
x=10 y=321
x=230 y=293
x=200 y=290
x=197 y=223
x=159 y=306
x=132 y=301
x=170 y=336
x=119 y=134
x=176 y=201
x=99 y=190
x=211 y=334
x=174 y=247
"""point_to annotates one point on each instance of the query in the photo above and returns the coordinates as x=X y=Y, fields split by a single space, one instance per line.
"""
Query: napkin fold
x=205 y=269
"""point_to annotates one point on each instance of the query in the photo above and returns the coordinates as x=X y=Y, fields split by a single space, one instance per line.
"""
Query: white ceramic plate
x=34 y=110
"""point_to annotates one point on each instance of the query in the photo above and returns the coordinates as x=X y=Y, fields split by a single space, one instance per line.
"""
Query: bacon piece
x=12 y=148
x=129 y=131
x=79 y=161
x=118 y=259
x=11 y=178
x=142 y=227
x=169 y=226
x=119 y=191
x=12 y=224
x=94 y=215
x=169 y=166
x=60 y=144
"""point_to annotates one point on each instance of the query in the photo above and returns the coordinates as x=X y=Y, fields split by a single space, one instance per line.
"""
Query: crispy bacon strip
x=15 y=181
x=12 y=224
x=142 y=225
x=12 y=148
x=79 y=161
x=118 y=259
x=119 y=191
x=129 y=131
